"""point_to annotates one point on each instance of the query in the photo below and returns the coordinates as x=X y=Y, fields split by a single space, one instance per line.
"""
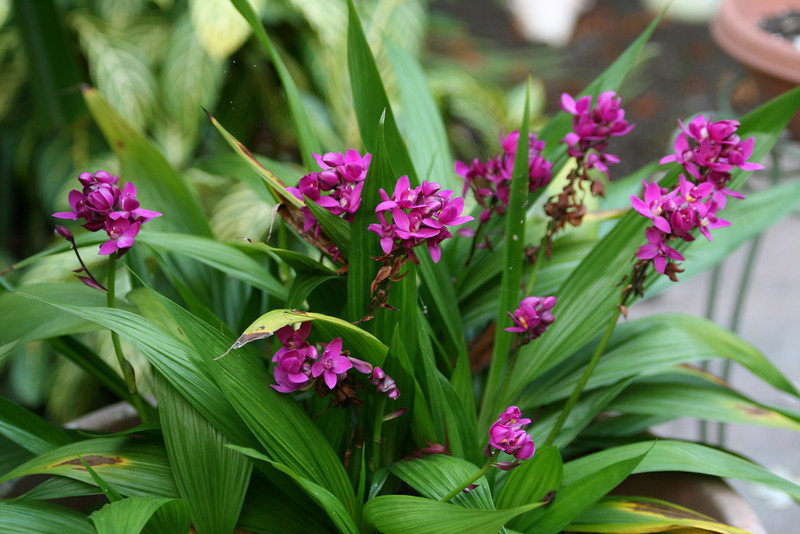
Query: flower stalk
x=125 y=365
x=471 y=480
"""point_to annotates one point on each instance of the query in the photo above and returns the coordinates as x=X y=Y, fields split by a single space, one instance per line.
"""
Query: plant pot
x=773 y=61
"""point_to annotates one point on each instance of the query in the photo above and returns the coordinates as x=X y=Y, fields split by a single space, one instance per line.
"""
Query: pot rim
x=735 y=29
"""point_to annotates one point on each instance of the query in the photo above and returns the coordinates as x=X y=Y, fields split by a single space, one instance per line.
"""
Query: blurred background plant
x=158 y=64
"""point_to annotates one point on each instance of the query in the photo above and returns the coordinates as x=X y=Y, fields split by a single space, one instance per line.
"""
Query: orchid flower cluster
x=532 y=317
x=299 y=366
x=337 y=188
x=508 y=435
x=490 y=182
x=592 y=128
x=708 y=152
x=104 y=206
x=419 y=215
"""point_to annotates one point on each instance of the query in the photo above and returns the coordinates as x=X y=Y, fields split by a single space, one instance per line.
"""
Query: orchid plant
x=416 y=360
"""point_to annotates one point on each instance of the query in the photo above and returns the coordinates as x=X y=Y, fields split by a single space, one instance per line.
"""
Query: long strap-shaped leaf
x=511 y=276
x=371 y=104
x=42 y=518
x=668 y=455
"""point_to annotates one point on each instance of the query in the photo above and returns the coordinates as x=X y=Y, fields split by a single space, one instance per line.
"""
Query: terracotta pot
x=773 y=61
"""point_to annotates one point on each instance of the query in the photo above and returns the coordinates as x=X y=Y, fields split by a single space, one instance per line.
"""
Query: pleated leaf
x=28 y=430
x=220 y=256
x=649 y=345
x=174 y=359
x=302 y=125
x=361 y=267
x=438 y=474
x=621 y=515
x=672 y=396
x=668 y=455
x=533 y=479
x=406 y=514
x=42 y=518
x=59 y=488
x=132 y=514
x=577 y=496
x=159 y=186
x=23 y=320
x=131 y=466
x=325 y=499
x=510 y=280
x=212 y=478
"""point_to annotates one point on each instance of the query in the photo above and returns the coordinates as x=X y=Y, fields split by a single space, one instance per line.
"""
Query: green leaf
x=158 y=185
x=532 y=480
x=370 y=101
x=362 y=269
x=405 y=514
x=220 y=256
x=308 y=141
x=677 y=395
x=325 y=499
x=648 y=346
x=276 y=186
x=438 y=474
x=577 y=496
x=28 y=430
x=626 y=515
x=23 y=320
x=668 y=455
x=111 y=494
x=212 y=479
x=131 y=515
x=359 y=341
x=336 y=227
x=58 y=488
x=42 y=518
x=428 y=144
x=132 y=466
x=181 y=364
x=511 y=278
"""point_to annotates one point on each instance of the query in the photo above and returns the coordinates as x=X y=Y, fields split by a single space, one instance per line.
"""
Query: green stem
x=576 y=393
x=125 y=365
x=471 y=479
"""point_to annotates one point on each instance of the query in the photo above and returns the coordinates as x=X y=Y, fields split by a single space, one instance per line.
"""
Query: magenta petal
x=108 y=247
x=66 y=215
x=330 y=379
